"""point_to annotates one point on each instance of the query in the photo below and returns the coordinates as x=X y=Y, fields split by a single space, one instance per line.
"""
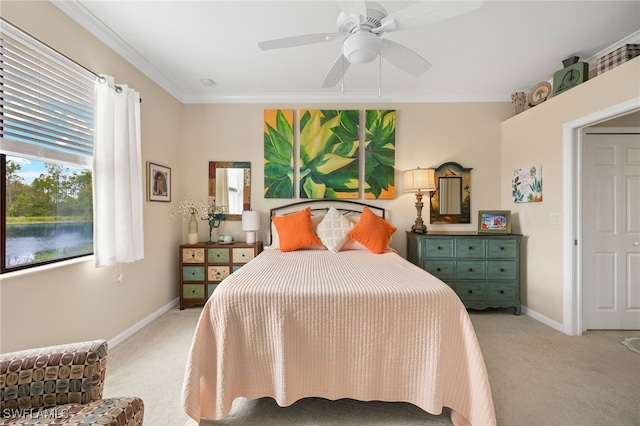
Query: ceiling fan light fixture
x=362 y=47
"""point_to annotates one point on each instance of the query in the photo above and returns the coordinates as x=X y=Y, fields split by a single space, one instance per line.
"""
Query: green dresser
x=483 y=269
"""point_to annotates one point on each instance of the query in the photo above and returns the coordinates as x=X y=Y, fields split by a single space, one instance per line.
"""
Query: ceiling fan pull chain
x=379 y=76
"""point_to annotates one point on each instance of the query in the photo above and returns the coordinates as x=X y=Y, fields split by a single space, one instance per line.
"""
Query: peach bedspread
x=336 y=325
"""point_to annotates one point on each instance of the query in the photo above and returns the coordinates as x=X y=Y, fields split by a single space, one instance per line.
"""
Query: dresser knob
x=438 y=269
x=501 y=291
x=501 y=269
x=470 y=269
x=470 y=248
x=439 y=248
x=470 y=291
x=501 y=248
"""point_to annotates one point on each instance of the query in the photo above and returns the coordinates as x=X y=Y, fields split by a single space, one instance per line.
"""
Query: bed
x=345 y=323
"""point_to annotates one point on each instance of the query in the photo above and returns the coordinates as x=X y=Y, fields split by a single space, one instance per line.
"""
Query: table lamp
x=419 y=181
x=251 y=224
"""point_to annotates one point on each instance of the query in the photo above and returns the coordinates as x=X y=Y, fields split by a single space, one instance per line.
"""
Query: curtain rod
x=117 y=88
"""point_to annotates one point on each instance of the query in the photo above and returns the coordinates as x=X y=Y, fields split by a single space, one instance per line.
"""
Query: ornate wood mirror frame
x=230 y=187
x=451 y=201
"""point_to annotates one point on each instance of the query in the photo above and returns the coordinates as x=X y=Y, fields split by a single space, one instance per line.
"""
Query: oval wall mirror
x=451 y=201
x=230 y=187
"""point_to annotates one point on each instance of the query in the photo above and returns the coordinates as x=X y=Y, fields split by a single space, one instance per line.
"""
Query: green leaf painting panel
x=329 y=152
x=380 y=154
x=278 y=153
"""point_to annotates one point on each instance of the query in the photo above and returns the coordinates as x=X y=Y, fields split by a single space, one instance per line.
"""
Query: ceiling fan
x=360 y=26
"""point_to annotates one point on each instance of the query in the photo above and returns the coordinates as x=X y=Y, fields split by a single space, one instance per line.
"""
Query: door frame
x=573 y=307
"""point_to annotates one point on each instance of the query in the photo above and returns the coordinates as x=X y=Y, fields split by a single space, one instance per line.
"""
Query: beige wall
x=426 y=136
x=77 y=301
x=535 y=137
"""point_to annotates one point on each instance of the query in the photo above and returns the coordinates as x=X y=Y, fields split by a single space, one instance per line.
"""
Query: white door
x=611 y=229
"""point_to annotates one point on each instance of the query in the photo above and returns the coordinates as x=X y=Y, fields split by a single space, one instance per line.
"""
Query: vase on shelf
x=193 y=230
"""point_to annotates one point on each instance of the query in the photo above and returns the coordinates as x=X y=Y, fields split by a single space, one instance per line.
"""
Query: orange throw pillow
x=295 y=230
x=372 y=231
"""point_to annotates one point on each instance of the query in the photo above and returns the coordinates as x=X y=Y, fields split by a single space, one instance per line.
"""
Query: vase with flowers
x=214 y=216
x=192 y=209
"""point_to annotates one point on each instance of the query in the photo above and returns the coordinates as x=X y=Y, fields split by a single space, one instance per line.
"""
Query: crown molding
x=102 y=32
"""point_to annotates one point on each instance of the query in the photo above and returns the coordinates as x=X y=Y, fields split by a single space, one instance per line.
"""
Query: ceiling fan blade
x=404 y=58
x=338 y=69
x=300 y=40
x=427 y=12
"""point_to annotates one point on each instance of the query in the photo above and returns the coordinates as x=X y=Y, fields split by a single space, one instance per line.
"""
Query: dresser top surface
x=461 y=233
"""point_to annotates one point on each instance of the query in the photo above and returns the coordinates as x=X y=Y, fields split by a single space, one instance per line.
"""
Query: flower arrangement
x=214 y=215
x=189 y=207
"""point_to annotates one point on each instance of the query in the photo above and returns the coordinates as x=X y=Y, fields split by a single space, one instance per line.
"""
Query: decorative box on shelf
x=204 y=266
x=617 y=57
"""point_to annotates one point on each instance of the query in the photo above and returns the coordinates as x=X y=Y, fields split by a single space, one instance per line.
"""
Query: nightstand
x=483 y=269
x=204 y=266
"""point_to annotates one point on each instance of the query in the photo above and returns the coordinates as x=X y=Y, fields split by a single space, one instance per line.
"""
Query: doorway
x=610 y=223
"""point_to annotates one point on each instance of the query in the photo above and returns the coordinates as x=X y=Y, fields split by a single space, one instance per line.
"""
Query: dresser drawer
x=502 y=269
x=470 y=248
x=243 y=255
x=470 y=269
x=193 y=291
x=442 y=269
x=193 y=273
x=470 y=292
x=438 y=247
x=210 y=289
x=502 y=292
x=218 y=255
x=192 y=255
x=218 y=273
x=502 y=248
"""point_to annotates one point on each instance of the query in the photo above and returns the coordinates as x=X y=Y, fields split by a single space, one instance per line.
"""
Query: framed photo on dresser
x=494 y=222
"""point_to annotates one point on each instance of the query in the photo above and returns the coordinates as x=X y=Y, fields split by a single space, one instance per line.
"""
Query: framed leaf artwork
x=278 y=153
x=380 y=154
x=329 y=154
x=527 y=185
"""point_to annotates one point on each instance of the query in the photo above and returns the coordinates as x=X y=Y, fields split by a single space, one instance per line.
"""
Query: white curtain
x=117 y=175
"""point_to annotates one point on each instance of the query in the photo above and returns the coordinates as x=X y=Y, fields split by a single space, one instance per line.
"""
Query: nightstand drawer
x=218 y=255
x=192 y=255
x=470 y=269
x=501 y=292
x=470 y=248
x=470 y=292
x=438 y=247
x=193 y=291
x=217 y=273
x=193 y=273
x=442 y=269
x=243 y=255
x=502 y=269
x=502 y=248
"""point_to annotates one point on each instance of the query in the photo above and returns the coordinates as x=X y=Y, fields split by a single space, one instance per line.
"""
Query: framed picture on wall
x=494 y=222
x=158 y=182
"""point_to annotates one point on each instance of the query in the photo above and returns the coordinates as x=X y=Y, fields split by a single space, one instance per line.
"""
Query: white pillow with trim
x=333 y=230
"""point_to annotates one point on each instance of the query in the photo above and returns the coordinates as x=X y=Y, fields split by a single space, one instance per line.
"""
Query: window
x=46 y=153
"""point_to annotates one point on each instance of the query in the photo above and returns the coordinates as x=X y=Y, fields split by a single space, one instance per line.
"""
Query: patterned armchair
x=62 y=385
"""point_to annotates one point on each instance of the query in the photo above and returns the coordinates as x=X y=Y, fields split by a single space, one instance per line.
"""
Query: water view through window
x=49 y=212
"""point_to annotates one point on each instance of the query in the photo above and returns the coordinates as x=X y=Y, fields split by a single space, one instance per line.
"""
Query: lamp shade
x=250 y=220
x=419 y=180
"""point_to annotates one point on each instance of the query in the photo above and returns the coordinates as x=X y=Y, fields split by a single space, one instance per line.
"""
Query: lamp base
x=251 y=237
x=419 y=227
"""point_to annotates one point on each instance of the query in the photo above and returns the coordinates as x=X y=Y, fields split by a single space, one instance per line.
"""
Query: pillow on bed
x=372 y=231
x=333 y=230
x=295 y=230
x=275 y=238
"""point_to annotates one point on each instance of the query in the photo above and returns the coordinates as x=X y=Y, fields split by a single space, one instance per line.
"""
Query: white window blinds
x=46 y=101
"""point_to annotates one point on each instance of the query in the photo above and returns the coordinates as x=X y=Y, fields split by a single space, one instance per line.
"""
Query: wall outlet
x=554 y=218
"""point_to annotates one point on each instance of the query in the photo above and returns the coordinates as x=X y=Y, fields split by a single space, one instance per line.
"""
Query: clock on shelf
x=573 y=73
x=539 y=93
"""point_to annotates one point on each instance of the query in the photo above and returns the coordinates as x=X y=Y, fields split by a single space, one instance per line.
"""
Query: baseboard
x=141 y=324
x=545 y=320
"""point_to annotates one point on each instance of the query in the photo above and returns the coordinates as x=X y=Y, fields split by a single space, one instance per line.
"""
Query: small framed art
x=494 y=222
x=158 y=182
